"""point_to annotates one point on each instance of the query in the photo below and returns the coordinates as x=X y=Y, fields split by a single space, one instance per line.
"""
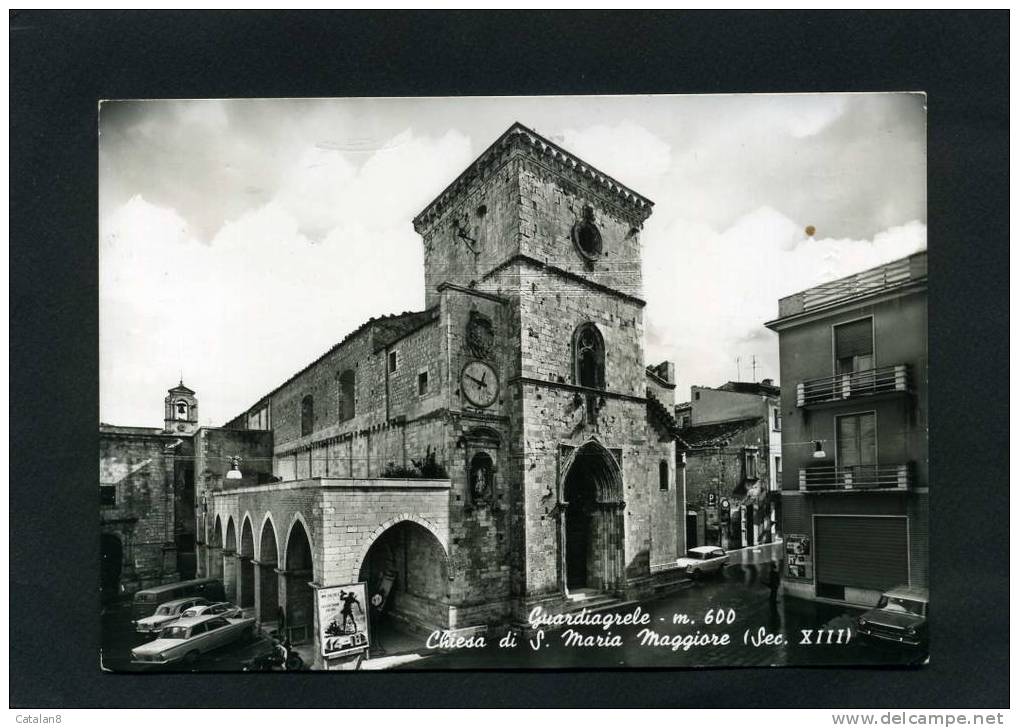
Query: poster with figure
x=797 y=551
x=343 y=619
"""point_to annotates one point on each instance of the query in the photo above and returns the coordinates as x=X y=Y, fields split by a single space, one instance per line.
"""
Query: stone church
x=506 y=447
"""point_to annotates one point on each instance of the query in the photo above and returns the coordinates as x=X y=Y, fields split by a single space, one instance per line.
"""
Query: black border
x=61 y=63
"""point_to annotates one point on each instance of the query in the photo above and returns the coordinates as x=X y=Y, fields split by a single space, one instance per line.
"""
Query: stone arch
x=230 y=560
x=589 y=356
x=295 y=520
x=591 y=531
x=217 y=532
x=267 y=519
x=298 y=571
x=230 y=537
x=245 y=554
x=406 y=563
x=374 y=535
x=246 y=546
x=267 y=599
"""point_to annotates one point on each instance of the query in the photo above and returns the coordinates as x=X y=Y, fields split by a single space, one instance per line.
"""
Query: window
x=663 y=475
x=392 y=362
x=776 y=419
x=750 y=463
x=589 y=357
x=696 y=395
x=685 y=422
x=307 y=415
x=347 y=382
x=856 y=440
x=854 y=346
x=422 y=383
x=107 y=495
x=778 y=469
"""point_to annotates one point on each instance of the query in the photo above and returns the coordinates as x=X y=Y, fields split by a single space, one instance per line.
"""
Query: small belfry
x=181 y=410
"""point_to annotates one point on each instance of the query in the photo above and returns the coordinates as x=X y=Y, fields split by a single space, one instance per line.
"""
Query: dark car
x=900 y=616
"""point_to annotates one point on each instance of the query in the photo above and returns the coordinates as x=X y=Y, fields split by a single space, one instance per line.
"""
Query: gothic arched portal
x=591 y=529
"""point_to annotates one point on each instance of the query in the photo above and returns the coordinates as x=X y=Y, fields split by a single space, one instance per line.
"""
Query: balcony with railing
x=856 y=478
x=851 y=385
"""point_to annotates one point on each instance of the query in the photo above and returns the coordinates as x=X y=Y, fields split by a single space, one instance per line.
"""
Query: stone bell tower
x=180 y=410
x=592 y=473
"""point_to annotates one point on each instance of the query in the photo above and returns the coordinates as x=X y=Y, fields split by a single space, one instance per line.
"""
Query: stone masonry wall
x=141 y=471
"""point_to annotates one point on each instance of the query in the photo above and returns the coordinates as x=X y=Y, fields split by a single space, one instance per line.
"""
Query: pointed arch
x=246 y=546
x=297 y=521
x=268 y=541
x=589 y=356
x=230 y=537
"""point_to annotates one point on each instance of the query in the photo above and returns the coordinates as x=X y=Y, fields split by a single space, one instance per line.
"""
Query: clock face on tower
x=479 y=384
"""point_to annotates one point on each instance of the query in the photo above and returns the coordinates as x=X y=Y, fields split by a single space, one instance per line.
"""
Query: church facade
x=505 y=448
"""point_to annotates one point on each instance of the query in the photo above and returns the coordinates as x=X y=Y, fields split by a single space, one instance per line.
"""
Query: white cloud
x=709 y=292
x=627 y=151
x=274 y=288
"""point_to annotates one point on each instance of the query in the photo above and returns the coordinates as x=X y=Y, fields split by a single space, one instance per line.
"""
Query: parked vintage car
x=703 y=560
x=900 y=616
x=222 y=609
x=166 y=614
x=190 y=637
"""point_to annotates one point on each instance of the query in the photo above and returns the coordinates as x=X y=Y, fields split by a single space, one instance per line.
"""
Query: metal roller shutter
x=861 y=551
x=854 y=338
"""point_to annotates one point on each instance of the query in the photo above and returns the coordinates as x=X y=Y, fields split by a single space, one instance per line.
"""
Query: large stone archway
x=591 y=529
x=408 y=564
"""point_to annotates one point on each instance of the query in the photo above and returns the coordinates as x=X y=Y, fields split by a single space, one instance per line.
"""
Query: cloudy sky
x=241 y=239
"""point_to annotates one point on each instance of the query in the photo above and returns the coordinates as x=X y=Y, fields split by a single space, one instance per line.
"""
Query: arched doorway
x=246 y=594
x=407 y=566
x=268 y=599
x=112 y=563
x=592 y=525
x=300 y=601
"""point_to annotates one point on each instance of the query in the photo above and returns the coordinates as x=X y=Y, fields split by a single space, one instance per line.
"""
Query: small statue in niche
x=480 y=335
x=480 y=476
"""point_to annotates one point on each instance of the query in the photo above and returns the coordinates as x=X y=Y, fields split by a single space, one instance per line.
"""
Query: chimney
x=667 y=371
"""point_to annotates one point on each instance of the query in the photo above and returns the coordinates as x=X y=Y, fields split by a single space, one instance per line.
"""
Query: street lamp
x=235 y=469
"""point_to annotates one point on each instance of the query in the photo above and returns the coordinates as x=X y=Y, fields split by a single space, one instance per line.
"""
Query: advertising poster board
x=343 y=620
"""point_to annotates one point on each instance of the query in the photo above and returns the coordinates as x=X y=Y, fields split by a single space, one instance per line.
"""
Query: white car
x=703 y=560
x=221 y=609
x=189 y=637
x=166 y=614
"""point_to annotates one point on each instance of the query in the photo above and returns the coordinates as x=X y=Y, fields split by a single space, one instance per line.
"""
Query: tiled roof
x=717 y=434
x=767 y=390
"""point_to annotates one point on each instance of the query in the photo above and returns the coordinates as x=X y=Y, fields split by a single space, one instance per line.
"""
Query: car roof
x=191 y=621
x=705 y=549
x=917 y=593
x=175 y=602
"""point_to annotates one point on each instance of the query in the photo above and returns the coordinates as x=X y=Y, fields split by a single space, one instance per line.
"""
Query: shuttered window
x=862 y=552
x=854 y=346
x=857 y=440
